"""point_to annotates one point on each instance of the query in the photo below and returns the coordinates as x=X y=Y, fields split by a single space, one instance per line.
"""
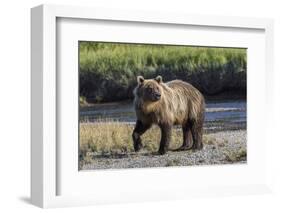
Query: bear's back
x=185 y=98
x=178 y=83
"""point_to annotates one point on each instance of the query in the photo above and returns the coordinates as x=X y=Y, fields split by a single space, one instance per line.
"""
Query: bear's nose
x=157 y=95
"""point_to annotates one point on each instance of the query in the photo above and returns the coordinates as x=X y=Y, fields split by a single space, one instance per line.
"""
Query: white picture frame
x=45 y=171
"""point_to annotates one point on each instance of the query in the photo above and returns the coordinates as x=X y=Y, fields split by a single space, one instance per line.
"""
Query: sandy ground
x=229 y=147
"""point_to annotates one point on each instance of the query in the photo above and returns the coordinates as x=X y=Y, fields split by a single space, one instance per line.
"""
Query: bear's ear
x=158 y=79
x=140 y=79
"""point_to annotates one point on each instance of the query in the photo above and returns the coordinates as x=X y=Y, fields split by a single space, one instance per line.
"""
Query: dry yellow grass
x=238 y=155
x=115 y=137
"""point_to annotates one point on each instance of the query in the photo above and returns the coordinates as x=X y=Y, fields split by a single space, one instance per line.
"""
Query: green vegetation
x=108 y=70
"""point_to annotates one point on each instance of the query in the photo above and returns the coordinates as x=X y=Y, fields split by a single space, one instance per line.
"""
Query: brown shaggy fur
x=167 y=104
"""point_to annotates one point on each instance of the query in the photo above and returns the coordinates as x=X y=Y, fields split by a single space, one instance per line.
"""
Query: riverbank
x=108 y=71
x=226 y=147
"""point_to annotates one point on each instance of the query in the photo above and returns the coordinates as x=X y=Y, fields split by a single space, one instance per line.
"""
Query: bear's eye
x=149 y=89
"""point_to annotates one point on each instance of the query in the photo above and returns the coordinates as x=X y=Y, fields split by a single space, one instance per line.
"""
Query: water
x=222 y=115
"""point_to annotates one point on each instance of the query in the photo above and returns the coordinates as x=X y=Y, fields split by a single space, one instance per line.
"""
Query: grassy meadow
x=111 y=68
x=111 y=138
x=116 y=137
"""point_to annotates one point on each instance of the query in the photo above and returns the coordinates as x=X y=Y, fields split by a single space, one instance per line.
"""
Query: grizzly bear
x=167 y=104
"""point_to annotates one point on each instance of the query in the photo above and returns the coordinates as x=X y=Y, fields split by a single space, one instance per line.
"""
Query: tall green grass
x=108 y=70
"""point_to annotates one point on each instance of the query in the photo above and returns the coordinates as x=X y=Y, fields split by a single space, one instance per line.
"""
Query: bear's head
x=149 y=89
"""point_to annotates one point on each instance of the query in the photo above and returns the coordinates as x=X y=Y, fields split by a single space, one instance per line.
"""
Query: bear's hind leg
x=187 y=137
x=197 y=135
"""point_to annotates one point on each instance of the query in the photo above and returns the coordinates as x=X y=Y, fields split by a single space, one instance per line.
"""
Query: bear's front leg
x=140 y=128
x=166 y=131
